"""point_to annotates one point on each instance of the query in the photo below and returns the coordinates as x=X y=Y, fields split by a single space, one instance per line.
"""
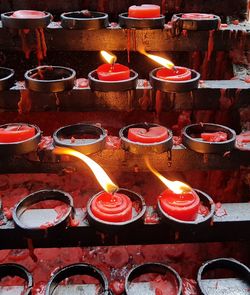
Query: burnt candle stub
x=84 y=269
x=177 y=79
x=50 y=79
x=85 y=20
x=227 y=275
x=6 y=78
x=29 y=217
x=151 y=278
x=146 y=138
x=116 y=211
x=196 y=208
x=16 y=270
x=85 y=138
x=208 y=138
x=18 y=138
x=111 y=82
x=26 y=19
x=196 y=21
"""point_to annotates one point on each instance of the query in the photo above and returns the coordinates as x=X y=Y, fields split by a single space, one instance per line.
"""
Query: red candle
x=214 y=137
x=28 y=14
x=16 y=133
x=112 y=207
x=115 y=72
x=174 y=74
x=153 y=134
x=197 y=16
x=183 y=206
x=144 y=11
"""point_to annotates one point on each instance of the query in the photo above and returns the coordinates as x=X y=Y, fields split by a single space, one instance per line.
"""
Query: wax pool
x=28 y=14
x=16 y=133
x=175 y=74
x=144 y=11
x=214 y=136
x=197 y=16
x=153 y=134
x=112 y=207
x=115 y=72
x=182 y=206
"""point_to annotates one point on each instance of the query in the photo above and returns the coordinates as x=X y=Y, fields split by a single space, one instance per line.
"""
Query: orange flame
x=176 y=186
x=160 y=60
x=109 y=57
x=100 y=175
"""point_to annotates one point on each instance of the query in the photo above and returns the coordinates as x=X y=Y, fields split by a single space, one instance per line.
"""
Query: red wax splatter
x=177 y=140
x=144 y=11
x=117 y=287
x=247 y=79
x=176 y=74
x=203 y=210
x=113 y=142
x=152 y=218
x=82 y=83
x=183 y=206
x=74 y=222
x=16 y=133
x=24 y=104
x=153 y=134
x=214 y=136
x=112 y=208
x=116 y=72
x=189 y=287
x=45 y=143
x=8 y=212
x=219 y=211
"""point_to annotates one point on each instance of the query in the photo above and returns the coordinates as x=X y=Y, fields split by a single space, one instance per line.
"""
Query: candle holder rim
x=103 y=15
x=20 y=271
x=123 y=223
x=10 y=75
x=38 y=196
x=142 y=269
x=229 y=263
x=74 y=269
x=194 y=222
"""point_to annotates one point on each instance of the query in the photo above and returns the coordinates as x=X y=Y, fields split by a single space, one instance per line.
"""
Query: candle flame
x=160 y=60
x=109 y=57
x=100 y=175
x=176 y=186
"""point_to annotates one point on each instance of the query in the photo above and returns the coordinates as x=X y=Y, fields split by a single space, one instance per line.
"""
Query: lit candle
x=170 y=72
x=16 y=133
x=178 y=200
x=153 y=134
x=144 y=11
x=112 y=71
x=28 y=14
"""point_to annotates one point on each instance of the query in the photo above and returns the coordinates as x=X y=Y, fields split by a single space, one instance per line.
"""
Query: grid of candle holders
x=232 y=227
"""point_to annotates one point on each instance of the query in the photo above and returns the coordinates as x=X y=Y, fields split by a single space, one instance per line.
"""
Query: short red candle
x=16 y=133
x=115 y=72
x=28 y=14
x=153 y=134
x=214 y=137
x=197 y=16
x=175 y=74
x=112 y=208
x=183 y=206
x=144 y=11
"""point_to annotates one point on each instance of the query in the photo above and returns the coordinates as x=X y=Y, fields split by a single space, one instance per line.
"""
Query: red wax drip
x=177 y=74
x=154 y=134
x=116 y=72
x=183 y=206
x=214 y=137
x=112 y=208
x=144 y=11
x=16 y=133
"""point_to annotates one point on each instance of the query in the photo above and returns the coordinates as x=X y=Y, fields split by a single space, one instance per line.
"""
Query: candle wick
x=174 y=69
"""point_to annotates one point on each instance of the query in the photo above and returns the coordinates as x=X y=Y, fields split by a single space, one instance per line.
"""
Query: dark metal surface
x=50 y=79
x=6 y=78
x=205 y=147
x=206 y=97
x=174 y=86
x=230 y=227
x=105 y=86
x=20 y=147
x=84 y=146
x=77 y=20
x=149 y=268
x=116 y=39
x=144 y=148
x=25 y=23
x=112 y=227
x=141 y=23
x=241 y=271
